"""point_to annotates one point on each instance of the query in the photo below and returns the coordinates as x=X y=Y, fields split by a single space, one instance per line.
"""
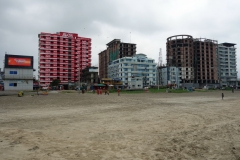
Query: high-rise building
x=180 y=54
x=115 y=49
x=196 y=59
x=128 y=68
x=206 y=69
x=103 y=60
x=227 y=66
x=62 y=56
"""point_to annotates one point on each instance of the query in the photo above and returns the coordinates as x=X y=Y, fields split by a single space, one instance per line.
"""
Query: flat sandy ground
x=196 y=125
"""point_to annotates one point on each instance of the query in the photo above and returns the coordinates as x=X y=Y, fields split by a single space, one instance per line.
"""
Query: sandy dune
x=195 y=125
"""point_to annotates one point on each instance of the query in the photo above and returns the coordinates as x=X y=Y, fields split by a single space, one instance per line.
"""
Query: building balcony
x=53 y=40
x=43 y=48
x=44 y=39
x=44 y=44
x=43 y=76
x=44 y=81
x=48 y=67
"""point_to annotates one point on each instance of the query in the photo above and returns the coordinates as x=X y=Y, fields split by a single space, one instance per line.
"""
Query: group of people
x=100 y=91
x=106 y=91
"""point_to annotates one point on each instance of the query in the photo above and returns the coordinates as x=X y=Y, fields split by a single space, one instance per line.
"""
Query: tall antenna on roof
x=160 y=58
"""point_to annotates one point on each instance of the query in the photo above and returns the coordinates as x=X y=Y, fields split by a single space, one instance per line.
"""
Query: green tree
x=55 y=82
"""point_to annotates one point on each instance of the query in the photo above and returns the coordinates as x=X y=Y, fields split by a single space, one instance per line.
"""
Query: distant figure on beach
x=106 y=92
x=232 y=90
x=118 y=92
x=222 y=96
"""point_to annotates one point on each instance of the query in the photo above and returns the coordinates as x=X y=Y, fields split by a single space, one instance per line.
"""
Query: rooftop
x=228 y=44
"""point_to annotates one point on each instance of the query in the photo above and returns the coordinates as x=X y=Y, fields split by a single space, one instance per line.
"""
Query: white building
x=170 y=76
x=135 y=72
x=227 y=64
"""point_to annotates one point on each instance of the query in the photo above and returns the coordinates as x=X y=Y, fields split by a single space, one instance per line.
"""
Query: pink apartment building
x=62 y=56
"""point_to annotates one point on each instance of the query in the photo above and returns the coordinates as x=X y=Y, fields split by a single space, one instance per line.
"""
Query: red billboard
x=18 y=61
x=13 y=61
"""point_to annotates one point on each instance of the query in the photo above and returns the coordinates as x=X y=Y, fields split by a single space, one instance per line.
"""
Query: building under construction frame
x=115 y=50
x=206 y=68
x=196 y=58
x=180 y=54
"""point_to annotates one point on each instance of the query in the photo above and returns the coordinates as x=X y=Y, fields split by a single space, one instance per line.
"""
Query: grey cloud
x=150 y=22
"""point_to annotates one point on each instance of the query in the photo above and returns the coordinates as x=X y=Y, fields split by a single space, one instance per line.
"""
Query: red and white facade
x=61 y=56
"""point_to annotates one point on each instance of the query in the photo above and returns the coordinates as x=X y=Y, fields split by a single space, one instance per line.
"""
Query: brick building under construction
x=196 y=58
x=205 y=53
x=115 y=49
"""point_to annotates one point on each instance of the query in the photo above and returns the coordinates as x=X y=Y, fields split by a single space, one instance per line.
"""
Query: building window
x=13 y=72
x=13 y=84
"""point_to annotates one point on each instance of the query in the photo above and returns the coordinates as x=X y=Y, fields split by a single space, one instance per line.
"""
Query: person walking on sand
x=118 y=92
x=222 y=96
x=106 y=91
x=82 y=91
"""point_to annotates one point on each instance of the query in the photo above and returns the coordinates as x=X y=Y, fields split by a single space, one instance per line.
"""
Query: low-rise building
x=89 y=75
x=18 y=72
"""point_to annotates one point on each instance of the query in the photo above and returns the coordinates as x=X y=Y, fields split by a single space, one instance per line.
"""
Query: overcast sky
x=147 y=23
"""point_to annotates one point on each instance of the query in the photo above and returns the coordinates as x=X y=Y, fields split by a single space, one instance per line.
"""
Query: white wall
x=21 y=85
x=21 y=73
x=136 y=83
x=22 y=80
